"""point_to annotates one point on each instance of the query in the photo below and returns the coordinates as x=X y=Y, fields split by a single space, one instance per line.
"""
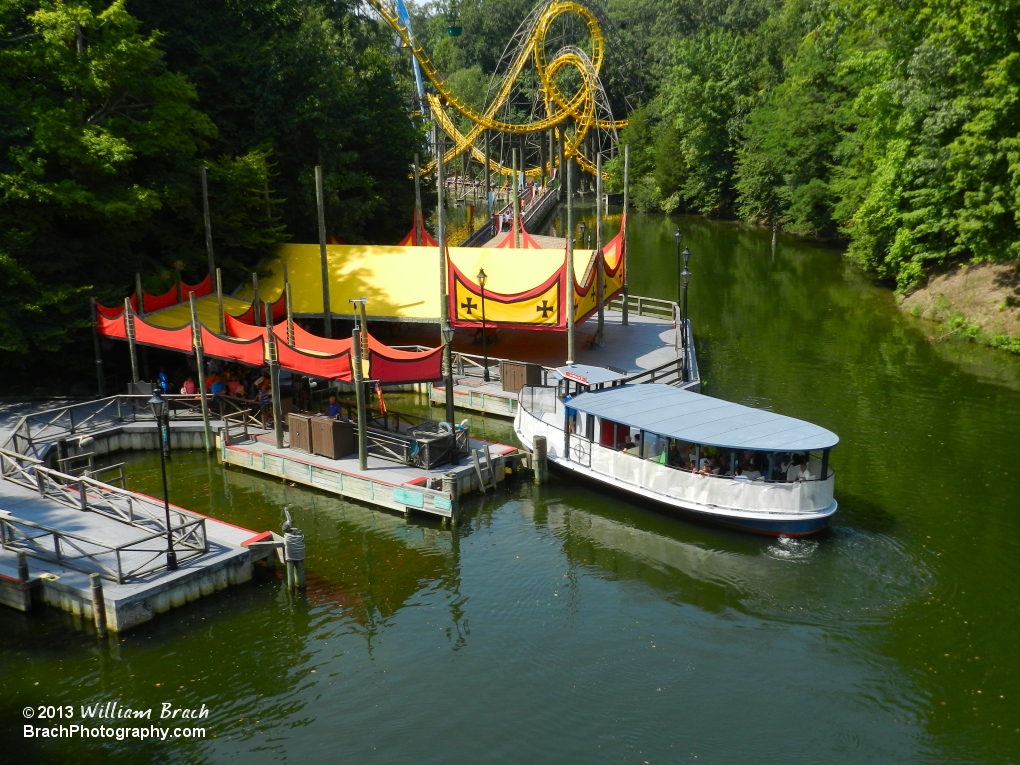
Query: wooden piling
x=274 y=378
x=600 y=258
x=568 y=299
x=256 y=304
x=320 y=202
x=450 y=487
x=22 y=567
x=419 y=221
x=540 y=458
x=98 y=604
x=97 y=348
x=517 y=203
x=359 y=388
x=200 y=363
x=129 y=329
x=222 y=323
x=208 y=221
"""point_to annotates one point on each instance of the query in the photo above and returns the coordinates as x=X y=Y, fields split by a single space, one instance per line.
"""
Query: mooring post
x=359 y=389
x=274 y=378
x=320 y=202
x=98 y=604
x=540 y=457
x=568 y=298
x=98 y=350
x=200 y=363
x=626 y=255
x=294 y=555
x=450 y=487
x=22 y=567
x=441 y=226
x=129 y=329
x=139 y=294
x=222 y=323
x=600 y=258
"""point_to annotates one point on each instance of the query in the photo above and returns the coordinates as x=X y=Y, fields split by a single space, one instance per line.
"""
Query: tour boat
x=757 y=471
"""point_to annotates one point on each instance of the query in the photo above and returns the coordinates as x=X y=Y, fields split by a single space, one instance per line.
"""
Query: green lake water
x=559 y=625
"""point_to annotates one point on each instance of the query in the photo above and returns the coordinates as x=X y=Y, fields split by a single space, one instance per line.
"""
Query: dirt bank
x=979 y=302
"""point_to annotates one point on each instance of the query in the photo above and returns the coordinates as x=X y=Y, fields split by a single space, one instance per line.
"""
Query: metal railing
x=408 y=438
x=646 y=306
x=51 y=425
x=87 y=494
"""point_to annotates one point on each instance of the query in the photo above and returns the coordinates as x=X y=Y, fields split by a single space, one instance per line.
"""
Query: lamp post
x=685 y=278
x=159 y=408
x=448 y=340
x=485 y=345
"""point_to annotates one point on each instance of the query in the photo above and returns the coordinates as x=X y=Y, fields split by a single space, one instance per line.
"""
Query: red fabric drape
x=336 y=367
x=306 y=341
x=201 y=289
x=113 y=313
x=238 y=328
x=279 y=309
x=175 y=339
x=527 y=240
x=426 y=238
x=246 y=351
x=391 y=366
x=152 y=303
x=116 y=327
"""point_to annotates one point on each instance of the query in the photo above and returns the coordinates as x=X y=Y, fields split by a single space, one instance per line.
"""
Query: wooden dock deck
x=386 y=484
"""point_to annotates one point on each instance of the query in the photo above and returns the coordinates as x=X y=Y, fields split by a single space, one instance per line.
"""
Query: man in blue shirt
x=333 y=409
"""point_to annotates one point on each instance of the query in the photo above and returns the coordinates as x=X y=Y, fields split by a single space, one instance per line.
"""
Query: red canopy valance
x=246 y=351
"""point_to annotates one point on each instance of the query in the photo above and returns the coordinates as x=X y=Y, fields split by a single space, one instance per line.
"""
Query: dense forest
x=108 y=111
x=893 y=127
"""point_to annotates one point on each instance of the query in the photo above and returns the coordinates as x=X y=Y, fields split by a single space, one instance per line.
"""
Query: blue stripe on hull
x=795 y=528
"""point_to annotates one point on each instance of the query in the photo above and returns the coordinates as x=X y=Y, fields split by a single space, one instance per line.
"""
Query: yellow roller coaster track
x=581 y=107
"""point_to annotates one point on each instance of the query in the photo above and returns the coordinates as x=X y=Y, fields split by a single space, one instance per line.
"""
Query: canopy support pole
x=98 y=350
x=208 y=221
x=320 y=202
x=444 y=308
x=562 y=164
x=624 y=254
x=219 y=301
x=359 y=390
x=140 y=295
x=129 y=328
x=517 y=203
x=256 y=304
x=568 y=297
x=290 y=307
x=488 y=177
x=200 y=363
x=419 y=221
x=600 y=259
x=274 y=378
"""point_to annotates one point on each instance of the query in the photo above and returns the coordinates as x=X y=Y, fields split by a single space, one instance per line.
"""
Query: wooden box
x=300 y=428
x=517 y=374
x=332 y=438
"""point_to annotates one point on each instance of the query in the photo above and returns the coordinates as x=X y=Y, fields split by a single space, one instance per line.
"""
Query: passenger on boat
x=738 y=475
x=793 y=469
x=751 y=472
x=803 y=474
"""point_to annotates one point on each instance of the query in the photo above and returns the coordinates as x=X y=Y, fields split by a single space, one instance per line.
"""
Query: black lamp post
x=584 y=230
x=685 y=277
x=159 y=409
x=485 y=346
x=448 y=340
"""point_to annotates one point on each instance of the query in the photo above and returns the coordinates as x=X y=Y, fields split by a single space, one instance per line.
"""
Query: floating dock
x=67 y=530
x=404 y=488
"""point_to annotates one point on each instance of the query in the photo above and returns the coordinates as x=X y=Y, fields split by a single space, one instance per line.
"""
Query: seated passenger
x=793 y=468
x=803 y=474
x=751 y=472
x=738 y=475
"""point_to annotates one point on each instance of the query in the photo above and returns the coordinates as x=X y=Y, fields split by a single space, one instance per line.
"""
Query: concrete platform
x=385 y=484
x=227 y=562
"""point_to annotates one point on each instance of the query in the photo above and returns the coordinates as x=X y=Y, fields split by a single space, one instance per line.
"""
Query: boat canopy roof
x=588 y=375
x=698 y=419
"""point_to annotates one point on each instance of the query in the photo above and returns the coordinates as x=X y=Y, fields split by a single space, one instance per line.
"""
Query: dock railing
x=90 y=495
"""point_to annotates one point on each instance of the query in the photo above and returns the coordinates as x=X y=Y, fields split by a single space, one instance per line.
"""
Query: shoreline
x=975 y=302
